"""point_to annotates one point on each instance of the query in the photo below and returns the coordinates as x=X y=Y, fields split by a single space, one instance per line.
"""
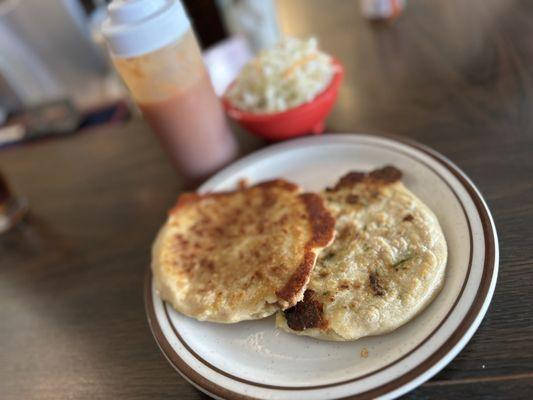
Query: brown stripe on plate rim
x=215 y=389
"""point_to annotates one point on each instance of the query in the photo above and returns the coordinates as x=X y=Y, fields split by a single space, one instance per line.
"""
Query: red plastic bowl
x=306 y=118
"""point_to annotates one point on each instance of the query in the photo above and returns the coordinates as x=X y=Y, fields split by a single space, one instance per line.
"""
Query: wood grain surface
x=455 y=75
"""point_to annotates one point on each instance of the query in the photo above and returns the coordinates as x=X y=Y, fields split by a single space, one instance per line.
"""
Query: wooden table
x=455 y=75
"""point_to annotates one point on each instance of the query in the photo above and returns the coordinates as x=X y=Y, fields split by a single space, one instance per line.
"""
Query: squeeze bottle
x=156 y=53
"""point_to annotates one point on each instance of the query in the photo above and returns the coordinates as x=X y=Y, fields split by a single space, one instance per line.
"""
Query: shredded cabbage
x=290 y=74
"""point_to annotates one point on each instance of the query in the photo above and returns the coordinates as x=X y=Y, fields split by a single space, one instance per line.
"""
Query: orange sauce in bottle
x=173 y=91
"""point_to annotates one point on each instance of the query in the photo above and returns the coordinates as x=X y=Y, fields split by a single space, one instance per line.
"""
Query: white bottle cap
x=136 y=27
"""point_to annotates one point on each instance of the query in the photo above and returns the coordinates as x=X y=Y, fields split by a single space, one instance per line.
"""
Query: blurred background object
x=12 y=209
x=382 y=10
x=255 y=20
x=225 y=60
x=53 y=58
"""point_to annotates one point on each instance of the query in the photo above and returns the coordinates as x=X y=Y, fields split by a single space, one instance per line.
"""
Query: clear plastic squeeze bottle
x=156 y=53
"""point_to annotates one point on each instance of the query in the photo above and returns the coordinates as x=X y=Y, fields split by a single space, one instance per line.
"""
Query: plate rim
x=437 y=359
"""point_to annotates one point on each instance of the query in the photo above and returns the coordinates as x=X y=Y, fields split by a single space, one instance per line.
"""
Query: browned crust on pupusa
x=306 y=314
x=322 y=222
x=323 y=233
x=375 y=284
x=385 y=175
x=191 y=197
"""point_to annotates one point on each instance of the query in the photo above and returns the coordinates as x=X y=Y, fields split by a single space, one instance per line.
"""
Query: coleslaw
x=290 y=74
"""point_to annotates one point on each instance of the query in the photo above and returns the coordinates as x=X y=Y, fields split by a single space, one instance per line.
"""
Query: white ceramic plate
x=254 y=360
